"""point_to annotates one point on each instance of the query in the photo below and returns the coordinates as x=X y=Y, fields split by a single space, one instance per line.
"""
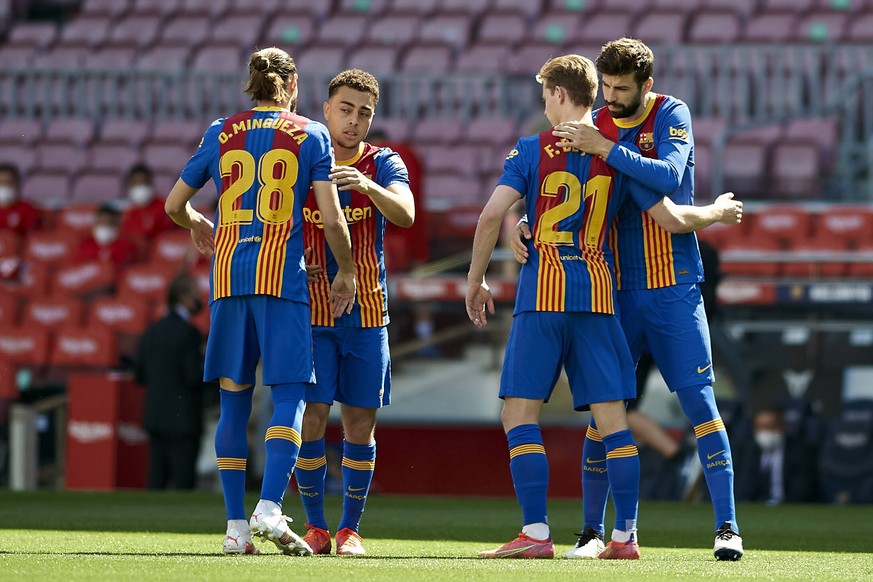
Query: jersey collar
x=354 y=159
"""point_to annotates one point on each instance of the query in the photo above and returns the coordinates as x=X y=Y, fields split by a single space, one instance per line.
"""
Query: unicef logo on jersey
x=248 y=239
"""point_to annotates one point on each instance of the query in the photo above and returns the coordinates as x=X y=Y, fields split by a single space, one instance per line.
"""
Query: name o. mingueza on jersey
x=296 y=132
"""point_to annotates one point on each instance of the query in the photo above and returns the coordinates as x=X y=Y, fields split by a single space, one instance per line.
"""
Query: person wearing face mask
x=170 y=365
x=15 y=214
x=145 y=217
x=778 y=467
x=107 y=243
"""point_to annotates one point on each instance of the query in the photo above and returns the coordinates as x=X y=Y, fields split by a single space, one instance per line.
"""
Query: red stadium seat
x=96 y=187
x=734 y=250
x=9 y=311
x=126 y=313
x=781 y=222
x=52 y=312
x=78 y=218
x=174 y=248
x=83 y=348
x=10 y=243
x=32 y=280
x=863 y=268
x=84 y=280
x=851 y=223
x=503 y=27
x=827 y=268
x=148 y=281
x=51 y=248
x=714 y=27
x=25 y=346
x=457 y=227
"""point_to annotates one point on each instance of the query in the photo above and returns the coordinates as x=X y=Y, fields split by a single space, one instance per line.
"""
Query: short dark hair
x=626 y=55
x=12 y=169
x=355 y=79
x=108 y=208
x=140 y=169
x=181 y=285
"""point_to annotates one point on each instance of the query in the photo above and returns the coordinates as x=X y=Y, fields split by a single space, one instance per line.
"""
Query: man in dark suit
x=170 y=366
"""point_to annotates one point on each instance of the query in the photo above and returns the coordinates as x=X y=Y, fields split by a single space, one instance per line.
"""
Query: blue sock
x=232 y=449
x=359 y=461
x=530 y=471
x=310 y=472
x=595 y=481
x=282 y=441
x=623 y=469
x=714 y=451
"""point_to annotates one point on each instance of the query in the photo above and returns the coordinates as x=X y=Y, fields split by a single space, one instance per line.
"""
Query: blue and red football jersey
x=263 y=162
x=367 y=229
x=646 y=255
x=571 y=201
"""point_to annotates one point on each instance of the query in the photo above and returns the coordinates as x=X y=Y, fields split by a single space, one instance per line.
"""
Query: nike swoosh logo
x=591 y=461
x=702 y=370
x=356 y=489
x=709 y=457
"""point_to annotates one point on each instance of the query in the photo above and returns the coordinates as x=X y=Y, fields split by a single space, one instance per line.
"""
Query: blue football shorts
x=352 y=366
x=589 y=346
x=670 y=323
x=247 y=328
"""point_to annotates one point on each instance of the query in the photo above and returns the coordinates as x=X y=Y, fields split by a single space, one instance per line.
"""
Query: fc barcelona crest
x=646 y=142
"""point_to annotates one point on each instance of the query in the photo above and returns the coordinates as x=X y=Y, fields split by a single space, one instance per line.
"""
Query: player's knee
x=359 y=424
x=315 y=421
x=231 y=386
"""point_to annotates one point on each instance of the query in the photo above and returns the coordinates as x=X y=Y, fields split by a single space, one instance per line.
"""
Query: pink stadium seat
x=23 y=158
x=821 y=27
x=70 y=130
x=61 y=57
x=785 y=223
x=77 y=218
x=395 y=128
x=52 y=312
x=166 y=157
x=703 y=171
x=164 y=58
x=860 y=29
x=138 y=30
x=156 y=7
x=20 y=131
x=25 y=347
x=345 y=30
x=65 y=158
x=84 y=348
x=714 y=27
x=742 y=7
x=243 y=31
x=111 y=157
x=427 y=59
x=796 y=169
x=556 y=28
x=177 y=132
x=468 y=7
x=633 y=6
x=368 y=7
x=97 y=187
x=491 y=57
x=109 y=9
x=394 y=30
x=769 y=28
x=853 y=224
x=458 y=159
x=294 y=30
x=320 y=57
x=491 y=131
x=450 y=191
x=218 y=58
x=603 y=27
x=529 y=9
x=44 y=189
x=87 y=32
x=706 y=129
x=213 y=8
x=186 y=30
x=118 y=58
x=432 y=131
x=375 y=59
x=661 y=27
x=449 y=30
x=793 y=6
x=502 y=27
x=744 y=166
x=317 y=10
x=129 y=132
x=530 y=57
x=38 y=35
x=417 y=7
x=670 y=5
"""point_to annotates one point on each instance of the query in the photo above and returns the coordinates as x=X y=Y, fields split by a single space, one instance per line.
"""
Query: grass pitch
x=170 y=536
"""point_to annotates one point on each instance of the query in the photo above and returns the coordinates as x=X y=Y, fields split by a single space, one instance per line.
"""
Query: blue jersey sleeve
x=515 y=174
x=674 y=142
x=197 y=171
x=322 y=151
x=390 y=168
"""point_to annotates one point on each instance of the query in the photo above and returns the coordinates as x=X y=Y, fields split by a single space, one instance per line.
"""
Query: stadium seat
x=159 y=8
x=83 y=31
x=166 y=157
x=860 y=29
x=346 y=30
x=366 y=7
x=45 y=189
x=164 y=57
x=664 y=28
x=395 y=129
x=214 y=8
x=821 y=131
x=769 y=28
x=106 y=9
x=632 y=6
x=128 y=132
x=245 y=32
x=173 y=248
x=815 y=269
x=851 y=223
x=439 y=159
x=795 y=169
x=396 y=31
x=147 y=281
x=316 y=10
x=863 y=268
x=744 y=166
x=9 y=311
x=111 y=157
x=491 y=131
x=452 y=31
x=137 y=30
x=719 y=234
x=530 y=57
x=742 y=7
x=785 y=223
x=790 y=6
x=10 y=243
x=446 y=191
x=555 y=27
x=431 y=131
x=36 y=35
x=483 y=58
x=77 y=131
x=32 y=280
x=821 y=27
x=427 y=59
x=457 y=227
x=118 y=58
x=375 y=59
x=96 y=187
x=61 y=158
x=25 y=346
x=23 y=158
x=83 y=348
x=84 y=280
x=186 y=30
x=296 y=31
x=529 y=9
x=416 y=7
x=470 y=8
x=218 y=57
x=502 y=27
x=321 y=57
x=125 y=313
x=52 y=312
x=737 y=254
x=78 y=218
x=714 y=27
x=603 y=27
x=51 y=248
x=20 y=131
